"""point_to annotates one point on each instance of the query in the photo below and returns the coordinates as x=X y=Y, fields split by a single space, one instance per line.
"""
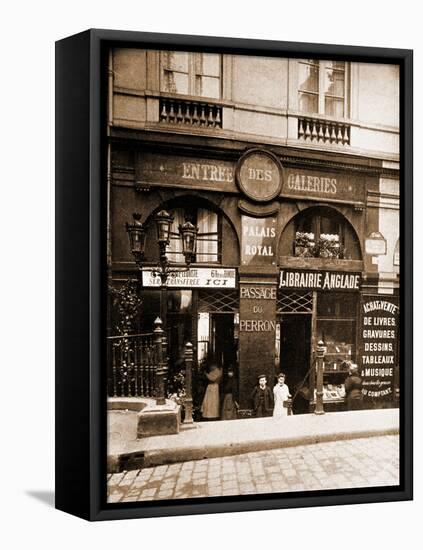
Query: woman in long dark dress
x=229 y=405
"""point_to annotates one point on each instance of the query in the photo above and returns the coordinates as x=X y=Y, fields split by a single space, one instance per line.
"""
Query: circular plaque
x=259 y=175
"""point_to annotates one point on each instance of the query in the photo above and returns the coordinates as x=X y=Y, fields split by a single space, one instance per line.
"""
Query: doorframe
x=313 y=327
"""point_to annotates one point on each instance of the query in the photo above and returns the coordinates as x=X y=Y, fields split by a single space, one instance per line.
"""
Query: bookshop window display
x=336 y=326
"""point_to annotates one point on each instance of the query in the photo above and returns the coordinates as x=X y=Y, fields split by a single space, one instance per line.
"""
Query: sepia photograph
x=253 y=274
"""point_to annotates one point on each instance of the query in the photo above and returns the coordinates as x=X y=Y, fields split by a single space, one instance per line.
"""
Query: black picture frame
x=80 y=282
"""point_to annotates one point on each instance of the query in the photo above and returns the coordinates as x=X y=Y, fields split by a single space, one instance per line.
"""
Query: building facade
x=290 y=170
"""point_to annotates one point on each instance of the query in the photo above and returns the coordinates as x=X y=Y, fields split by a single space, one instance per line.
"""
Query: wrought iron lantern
x=163 y=224
x=137 y=237
x=188 y=233
x=137 y=234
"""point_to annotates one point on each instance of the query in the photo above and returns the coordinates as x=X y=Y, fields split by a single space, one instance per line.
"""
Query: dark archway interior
x=226 y=249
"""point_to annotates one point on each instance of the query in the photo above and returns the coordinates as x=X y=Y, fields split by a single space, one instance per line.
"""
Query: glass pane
x=329 y=226
x=308 y=103
x=308 y=77
x=179 y=301
x=339 y=339
x=203 y=332
x=176 y=83
x=207 y=86
x=334 y=83
x=335 y=65
x=174 y=250
x=336 y=305
x=334 y=107
x=209 y=64
x=176 y=61
x=207 y=242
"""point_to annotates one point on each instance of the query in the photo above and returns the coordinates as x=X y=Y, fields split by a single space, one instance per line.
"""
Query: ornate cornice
x=215 y=148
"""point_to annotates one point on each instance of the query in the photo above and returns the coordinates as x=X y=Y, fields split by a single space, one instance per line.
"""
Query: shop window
x=322 y=87
x=196 y=74
x=208 y=237
x=217 y=338
x=324 y=233
x=336 y=327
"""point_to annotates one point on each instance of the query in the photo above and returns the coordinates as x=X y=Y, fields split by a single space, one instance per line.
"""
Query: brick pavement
x=367 y=462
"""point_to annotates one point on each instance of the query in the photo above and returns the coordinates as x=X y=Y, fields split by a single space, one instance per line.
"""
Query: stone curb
x=143 y=459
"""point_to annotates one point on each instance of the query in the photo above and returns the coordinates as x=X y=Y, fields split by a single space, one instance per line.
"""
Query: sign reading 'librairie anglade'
x=201 y=277
x=319 y=280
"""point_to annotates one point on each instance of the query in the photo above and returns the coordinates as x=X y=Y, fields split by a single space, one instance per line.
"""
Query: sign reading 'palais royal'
x=319 y=280
x=259 y=177
x=258 y=241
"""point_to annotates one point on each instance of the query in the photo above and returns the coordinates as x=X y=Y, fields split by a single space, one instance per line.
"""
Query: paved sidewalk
x=224 y=438
x=368 y=462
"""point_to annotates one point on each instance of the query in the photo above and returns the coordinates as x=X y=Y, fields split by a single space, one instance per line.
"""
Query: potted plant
x=304 y=244
x=328 y=246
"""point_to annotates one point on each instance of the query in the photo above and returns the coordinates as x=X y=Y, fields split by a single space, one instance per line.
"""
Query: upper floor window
x=191 y=73
x=323 y=232
x=208 y=237
x=322 y=87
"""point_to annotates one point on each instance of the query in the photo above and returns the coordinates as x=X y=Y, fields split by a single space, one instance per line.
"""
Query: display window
x=336 y=327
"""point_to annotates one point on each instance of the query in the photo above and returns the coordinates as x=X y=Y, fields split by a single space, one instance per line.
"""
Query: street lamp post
x=137 y=235
x=320 y=350
x=188 y=383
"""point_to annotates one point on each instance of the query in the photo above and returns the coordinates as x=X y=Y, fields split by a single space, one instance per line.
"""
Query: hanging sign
x=397 y=254
x=378 y=350
x=375 y=244
x=201 y=277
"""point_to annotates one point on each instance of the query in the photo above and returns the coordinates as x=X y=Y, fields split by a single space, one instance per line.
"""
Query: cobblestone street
x=368 y=462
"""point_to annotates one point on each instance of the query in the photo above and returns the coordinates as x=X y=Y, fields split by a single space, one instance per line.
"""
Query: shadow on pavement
x=46 y=497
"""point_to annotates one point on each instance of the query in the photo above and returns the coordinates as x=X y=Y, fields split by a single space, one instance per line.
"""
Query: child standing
x=262 y=398
x=281 y=394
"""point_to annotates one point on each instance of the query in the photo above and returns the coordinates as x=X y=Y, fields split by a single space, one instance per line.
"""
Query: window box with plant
x=327 y=246
x=304 y=244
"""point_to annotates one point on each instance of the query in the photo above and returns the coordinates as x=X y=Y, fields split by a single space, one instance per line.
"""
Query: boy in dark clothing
x=262 y=398
x=353 y=385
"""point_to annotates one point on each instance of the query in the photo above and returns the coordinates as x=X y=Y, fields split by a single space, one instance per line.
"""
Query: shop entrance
x=217 y=344
x=295 y=352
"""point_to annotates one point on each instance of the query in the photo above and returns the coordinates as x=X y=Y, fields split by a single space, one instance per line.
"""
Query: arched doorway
x=317 y=242
x=205 y=315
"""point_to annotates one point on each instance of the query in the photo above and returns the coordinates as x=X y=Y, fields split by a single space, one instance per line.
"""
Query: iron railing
x=133 y=363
